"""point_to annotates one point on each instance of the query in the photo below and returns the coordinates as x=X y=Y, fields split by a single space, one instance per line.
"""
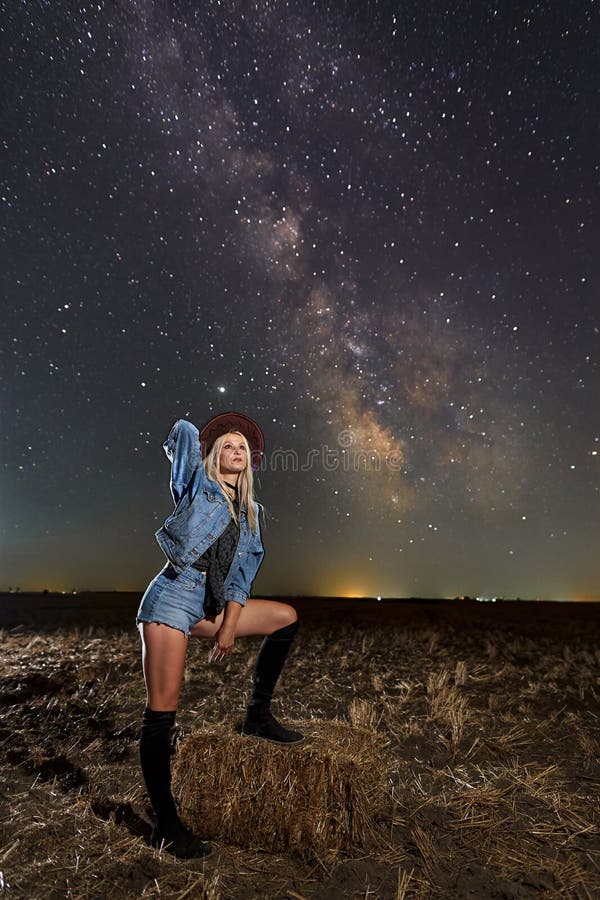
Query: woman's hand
x=224 y=641
x=225 y=637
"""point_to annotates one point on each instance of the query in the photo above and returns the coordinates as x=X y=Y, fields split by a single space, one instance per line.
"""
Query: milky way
x=371 y=226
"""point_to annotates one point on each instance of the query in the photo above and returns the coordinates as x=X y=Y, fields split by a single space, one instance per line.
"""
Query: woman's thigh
x=256 y=617
x=163 y=660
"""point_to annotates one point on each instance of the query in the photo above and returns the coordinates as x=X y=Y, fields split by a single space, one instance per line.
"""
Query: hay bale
x=315 y=799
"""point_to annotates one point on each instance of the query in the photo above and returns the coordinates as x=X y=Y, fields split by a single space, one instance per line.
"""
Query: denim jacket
x=201 y=514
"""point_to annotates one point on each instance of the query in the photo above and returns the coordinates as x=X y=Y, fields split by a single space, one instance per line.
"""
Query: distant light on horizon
x=346 y=594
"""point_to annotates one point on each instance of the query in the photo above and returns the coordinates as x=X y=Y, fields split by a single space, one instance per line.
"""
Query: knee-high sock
x=269 y=663
x=155 y=758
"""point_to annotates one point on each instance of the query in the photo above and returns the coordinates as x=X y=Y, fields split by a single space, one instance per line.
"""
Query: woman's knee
x=286 y=615
x=159 y=701
x=162 y=694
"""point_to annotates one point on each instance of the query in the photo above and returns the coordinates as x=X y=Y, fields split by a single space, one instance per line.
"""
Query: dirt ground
x=491 y=716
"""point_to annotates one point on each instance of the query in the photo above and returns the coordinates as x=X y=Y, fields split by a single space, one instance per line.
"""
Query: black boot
x=168 y=831
x=259 y=721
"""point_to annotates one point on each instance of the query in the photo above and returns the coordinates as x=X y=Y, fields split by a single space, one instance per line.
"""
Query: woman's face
x=233 y=457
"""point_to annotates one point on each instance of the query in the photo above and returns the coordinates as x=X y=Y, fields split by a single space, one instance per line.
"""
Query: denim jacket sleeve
x=183 y=452
x=249 y=565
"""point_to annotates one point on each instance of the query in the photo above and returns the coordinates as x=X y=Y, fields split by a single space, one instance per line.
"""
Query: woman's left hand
x=224 y=641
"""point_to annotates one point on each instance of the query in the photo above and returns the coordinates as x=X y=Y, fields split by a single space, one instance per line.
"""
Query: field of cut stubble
x=491 y=716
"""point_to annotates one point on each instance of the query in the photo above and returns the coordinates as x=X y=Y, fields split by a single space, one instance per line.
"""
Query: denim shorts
x=174 y=598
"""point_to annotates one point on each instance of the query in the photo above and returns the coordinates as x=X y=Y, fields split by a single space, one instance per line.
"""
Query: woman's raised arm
x=183 y=452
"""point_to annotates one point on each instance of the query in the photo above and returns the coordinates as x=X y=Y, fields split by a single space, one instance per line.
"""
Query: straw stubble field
x=491 y=741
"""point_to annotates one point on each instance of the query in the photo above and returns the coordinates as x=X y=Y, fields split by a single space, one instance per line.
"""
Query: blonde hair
x=245 y=479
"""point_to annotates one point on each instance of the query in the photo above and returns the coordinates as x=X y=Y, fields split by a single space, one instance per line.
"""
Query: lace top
x=217 y=560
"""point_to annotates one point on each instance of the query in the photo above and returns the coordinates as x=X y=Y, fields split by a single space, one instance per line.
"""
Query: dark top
x=217 y=560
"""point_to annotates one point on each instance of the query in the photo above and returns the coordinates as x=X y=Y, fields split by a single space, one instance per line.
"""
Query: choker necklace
x=232 y=486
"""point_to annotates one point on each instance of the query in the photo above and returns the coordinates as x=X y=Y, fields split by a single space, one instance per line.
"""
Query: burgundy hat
x=232 y=421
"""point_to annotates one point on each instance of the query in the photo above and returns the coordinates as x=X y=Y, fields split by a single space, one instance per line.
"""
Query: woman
x=214 y=550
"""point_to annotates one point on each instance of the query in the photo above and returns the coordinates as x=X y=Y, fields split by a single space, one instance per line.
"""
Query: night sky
x=371 y=226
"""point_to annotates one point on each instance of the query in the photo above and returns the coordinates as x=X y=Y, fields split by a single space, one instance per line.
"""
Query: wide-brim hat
x=233 y=421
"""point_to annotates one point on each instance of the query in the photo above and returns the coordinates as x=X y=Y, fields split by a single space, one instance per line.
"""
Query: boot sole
x=261 y=737
x=162 y=845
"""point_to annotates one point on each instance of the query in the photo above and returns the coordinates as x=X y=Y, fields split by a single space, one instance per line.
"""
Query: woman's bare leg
x=257 y=617
x=163 y=660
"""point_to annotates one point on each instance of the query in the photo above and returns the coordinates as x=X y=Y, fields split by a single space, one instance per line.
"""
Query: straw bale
x=313 y=800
